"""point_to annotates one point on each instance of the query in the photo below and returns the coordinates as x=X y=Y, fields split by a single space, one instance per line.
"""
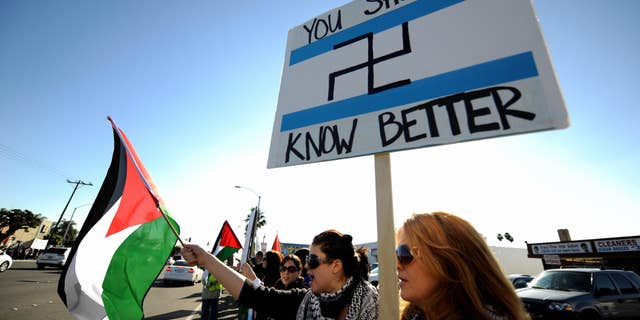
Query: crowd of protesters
x=19 y=252
x=444 y=268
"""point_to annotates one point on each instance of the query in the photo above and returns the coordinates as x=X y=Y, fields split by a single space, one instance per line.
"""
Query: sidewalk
x=227 y=307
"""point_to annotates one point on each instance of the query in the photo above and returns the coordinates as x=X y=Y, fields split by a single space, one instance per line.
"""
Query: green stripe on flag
x=134 y=267
x=225 y=253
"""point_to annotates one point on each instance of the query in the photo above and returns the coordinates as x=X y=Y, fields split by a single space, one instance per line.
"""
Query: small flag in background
x=226 y=244
x=276 y=244
x=123 y=244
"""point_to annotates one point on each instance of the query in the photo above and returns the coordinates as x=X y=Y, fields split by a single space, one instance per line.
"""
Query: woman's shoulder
x=369 y=288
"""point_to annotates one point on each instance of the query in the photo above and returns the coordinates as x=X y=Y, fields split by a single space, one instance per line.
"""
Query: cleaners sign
x=383 y=75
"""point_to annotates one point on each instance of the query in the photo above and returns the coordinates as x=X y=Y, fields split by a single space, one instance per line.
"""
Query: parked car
x=520 y=280
x=181 y=271
x=373 y=276
x=583 y=294
x=53 y=257
x=5 y=261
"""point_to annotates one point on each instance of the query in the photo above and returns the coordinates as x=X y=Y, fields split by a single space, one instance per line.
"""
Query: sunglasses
x=403 y=254
x=313 y=261
x=290 y=269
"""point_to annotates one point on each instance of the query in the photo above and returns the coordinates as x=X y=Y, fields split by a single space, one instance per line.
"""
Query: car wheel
x=4 y=266
x=589 y=315
x=40 y=266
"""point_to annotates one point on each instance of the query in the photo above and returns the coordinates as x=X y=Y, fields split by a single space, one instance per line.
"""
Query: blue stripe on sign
x=386 y=21
x=512 y=68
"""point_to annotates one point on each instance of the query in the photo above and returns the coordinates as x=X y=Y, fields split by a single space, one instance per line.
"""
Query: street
x=29 y=293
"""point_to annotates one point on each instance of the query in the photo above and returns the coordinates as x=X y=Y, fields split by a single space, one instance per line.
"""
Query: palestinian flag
x=276 y=244
x=226 y=244
x=123 y=244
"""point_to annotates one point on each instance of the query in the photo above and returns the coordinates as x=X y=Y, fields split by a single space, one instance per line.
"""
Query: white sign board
x=39 y=244
x=552 y=259
x=379 y=76
x=618 y=245
x=562 y=248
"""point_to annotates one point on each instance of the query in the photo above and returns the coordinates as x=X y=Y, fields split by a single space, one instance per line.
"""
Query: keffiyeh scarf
x=361 y=297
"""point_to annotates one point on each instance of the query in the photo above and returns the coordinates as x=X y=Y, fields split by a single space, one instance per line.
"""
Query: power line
x=12 y=154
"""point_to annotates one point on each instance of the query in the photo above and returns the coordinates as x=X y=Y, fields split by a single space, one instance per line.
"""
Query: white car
x=181 y=271
x=53 y=257
x=373 y=276
x=5 y=261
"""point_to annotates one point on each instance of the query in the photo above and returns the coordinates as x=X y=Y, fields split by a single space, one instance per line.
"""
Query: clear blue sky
x=194 y=84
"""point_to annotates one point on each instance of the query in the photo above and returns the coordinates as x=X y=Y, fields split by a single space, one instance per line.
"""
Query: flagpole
x=170 y=225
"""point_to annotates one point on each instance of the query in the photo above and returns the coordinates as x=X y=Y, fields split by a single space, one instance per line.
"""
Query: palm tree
x=260 y=222
x=260 y=219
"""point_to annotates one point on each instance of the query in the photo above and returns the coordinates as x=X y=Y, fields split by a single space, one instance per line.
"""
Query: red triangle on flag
x=137 y=205
x=276 y=244
x=228 y=238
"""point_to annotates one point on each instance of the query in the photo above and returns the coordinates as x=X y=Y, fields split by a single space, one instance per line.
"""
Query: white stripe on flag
x=91 y=262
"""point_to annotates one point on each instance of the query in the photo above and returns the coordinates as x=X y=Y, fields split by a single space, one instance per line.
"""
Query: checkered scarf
x=361 y=297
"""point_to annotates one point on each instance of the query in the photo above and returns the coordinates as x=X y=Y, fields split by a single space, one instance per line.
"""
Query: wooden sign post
x=388 y=282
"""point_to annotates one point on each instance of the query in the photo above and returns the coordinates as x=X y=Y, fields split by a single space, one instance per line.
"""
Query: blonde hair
x=469 y=278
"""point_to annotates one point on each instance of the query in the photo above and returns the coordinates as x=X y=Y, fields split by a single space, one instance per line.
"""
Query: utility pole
x=77 y=183
x=64 y=237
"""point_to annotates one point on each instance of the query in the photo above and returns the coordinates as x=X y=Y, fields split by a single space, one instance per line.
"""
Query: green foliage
x=260 y=219
x=16 y=219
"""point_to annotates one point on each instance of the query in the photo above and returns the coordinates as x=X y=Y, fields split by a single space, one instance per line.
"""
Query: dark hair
x=272 y=272
x=302 y=254
x=336 y=245
x=363 y=262
x=293 y=258
x=259 y=253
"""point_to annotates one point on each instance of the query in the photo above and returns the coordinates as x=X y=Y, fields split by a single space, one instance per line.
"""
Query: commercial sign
x=562 y=248
x=377 y=76
x=618 y=245
x=552 y=259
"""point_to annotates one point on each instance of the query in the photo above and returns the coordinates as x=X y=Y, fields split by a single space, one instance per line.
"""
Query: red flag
x=276 y=244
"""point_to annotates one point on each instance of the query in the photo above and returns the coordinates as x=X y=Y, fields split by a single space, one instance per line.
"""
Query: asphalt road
x=29 y=293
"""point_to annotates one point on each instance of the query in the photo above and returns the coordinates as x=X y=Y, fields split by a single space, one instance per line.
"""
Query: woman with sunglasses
x=290 y=271
x=446 y=271
x=337 y=290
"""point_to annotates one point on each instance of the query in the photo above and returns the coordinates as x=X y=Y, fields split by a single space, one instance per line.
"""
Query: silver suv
x=53 y=257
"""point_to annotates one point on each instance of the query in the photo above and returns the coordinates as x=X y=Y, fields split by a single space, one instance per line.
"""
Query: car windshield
x=563 y=280
x=56 y=250
x=181 y=263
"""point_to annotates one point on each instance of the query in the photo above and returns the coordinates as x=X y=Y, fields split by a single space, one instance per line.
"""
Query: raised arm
x=229 y=278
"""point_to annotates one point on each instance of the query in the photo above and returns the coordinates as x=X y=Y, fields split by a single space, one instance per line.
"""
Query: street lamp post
x=253 y=228
x=64 y=237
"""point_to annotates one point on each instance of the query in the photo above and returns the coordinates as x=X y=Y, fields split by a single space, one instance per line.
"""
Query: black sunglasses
x=290 y=269
x=313 y=261
x=403 y=253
